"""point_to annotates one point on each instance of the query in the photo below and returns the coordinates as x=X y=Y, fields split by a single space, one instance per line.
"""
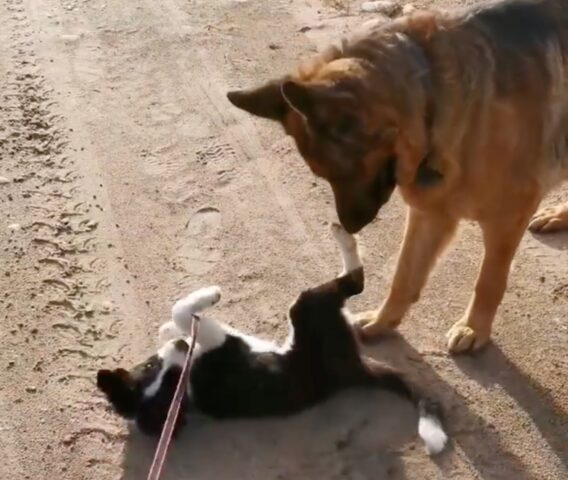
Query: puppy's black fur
x=233 y=379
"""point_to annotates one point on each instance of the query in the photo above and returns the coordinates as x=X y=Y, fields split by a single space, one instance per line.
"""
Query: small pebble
x=31 y=389
x=106 y=307
x=380 y=6
x=408 y=9
x=4 y=180
x=14 y=227
x=316 y=26
x=374 y=22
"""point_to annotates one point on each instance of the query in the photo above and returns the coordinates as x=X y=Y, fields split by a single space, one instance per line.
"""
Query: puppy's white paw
x=197 y=301
x=168 y=331
x=207 y=297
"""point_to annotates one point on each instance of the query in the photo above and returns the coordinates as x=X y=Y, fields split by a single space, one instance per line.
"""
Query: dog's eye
x=344 y=126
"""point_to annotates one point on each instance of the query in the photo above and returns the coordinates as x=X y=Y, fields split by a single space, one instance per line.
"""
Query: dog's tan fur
x=469 y=111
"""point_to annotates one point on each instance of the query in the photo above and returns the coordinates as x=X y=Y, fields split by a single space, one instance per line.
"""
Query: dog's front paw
x=368 y=326
x=464 y=339
x=551 y=219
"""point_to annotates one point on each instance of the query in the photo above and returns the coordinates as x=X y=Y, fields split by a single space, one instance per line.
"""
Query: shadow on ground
x=493 y=368
x=557 y=241
x=360 y=435
x=356 y=435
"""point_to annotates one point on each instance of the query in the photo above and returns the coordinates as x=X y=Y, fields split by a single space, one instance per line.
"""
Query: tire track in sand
x=55 y=302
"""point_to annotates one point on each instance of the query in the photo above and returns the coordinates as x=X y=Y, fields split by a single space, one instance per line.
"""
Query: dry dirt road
x=127 y=180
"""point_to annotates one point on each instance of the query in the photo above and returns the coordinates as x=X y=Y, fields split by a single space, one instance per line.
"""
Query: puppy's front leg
x=425 y=237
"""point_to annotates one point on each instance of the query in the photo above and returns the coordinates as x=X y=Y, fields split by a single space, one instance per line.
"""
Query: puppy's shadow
x=354 y=435
x=478 y=440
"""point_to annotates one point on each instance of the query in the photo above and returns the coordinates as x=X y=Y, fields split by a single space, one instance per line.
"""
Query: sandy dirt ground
x=127 y=180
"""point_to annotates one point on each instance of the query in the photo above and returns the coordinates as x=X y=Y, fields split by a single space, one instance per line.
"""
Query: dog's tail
x=430 y=426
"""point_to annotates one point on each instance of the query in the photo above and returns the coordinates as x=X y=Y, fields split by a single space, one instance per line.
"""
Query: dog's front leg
x=425 y=237
x=501 y=239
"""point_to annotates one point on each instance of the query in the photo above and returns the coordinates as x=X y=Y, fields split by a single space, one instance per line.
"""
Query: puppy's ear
x=117 y=386
x=265 y=101
x=111 y=380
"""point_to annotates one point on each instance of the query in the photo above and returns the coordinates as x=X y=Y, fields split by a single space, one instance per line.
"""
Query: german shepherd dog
x=234 y=375
x=466 y=112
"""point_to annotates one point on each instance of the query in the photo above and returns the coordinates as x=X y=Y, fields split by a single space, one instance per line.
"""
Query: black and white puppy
x=234 y=375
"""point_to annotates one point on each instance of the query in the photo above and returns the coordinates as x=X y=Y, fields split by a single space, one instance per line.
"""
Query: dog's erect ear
x=299 y=96
x=265 y=101
x=320 y=104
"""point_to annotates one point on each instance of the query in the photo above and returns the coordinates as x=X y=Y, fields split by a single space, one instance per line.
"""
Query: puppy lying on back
x=234 y=375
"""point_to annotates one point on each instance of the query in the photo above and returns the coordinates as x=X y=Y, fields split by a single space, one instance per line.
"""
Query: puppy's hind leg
x=430 y=427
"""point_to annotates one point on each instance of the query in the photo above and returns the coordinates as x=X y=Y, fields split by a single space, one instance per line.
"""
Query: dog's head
x=144 y=393
x=357 y=115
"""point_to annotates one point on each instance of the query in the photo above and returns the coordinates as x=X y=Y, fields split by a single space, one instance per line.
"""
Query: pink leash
x=173 y=412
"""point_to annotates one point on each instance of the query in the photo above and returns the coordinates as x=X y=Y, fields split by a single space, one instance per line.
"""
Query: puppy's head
x=357 y=117
x=144 y=393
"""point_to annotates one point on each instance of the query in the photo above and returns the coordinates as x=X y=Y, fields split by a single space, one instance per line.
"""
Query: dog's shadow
x=493 y=368
x=361 y=435
x=556 y=241
x=478 y=440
